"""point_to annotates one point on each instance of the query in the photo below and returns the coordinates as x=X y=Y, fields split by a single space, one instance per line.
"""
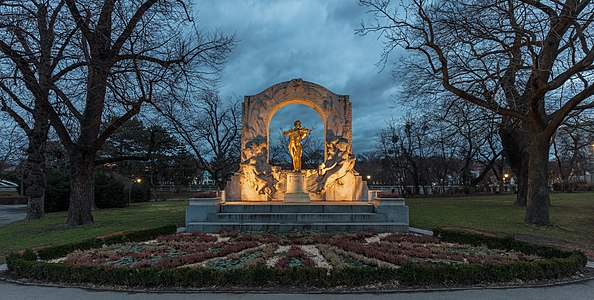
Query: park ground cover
x=572 y=216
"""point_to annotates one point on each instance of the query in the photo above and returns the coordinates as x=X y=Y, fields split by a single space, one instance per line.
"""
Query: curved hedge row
x=558 y=263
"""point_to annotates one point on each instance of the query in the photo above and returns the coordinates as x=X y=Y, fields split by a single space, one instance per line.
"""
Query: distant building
x=8 y=186
x=206 y=179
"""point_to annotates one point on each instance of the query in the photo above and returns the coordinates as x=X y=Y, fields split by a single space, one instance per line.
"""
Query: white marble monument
x=334 y=180
x=262 y=197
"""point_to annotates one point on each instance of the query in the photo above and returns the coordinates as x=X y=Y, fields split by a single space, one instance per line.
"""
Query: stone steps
x=288 y=227
x=297 y=217
x=213 y=216
x=267 y=207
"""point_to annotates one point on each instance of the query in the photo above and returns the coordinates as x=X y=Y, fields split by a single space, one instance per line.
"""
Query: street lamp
x=368 y=177
x=136 y=180
x=505 y=181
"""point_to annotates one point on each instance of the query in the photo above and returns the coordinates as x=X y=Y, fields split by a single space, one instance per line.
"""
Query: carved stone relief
x=334 y=179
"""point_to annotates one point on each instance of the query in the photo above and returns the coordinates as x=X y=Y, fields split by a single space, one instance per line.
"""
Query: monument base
x=297 y=198
x=296 y=189
x=380 y=215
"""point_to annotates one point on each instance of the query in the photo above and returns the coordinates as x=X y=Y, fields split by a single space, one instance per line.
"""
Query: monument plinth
x=296 y=189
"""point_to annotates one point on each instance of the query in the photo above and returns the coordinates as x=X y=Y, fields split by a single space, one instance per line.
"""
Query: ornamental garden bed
x=160 y=258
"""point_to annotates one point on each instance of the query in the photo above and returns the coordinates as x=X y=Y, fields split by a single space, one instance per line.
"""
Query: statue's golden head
x=297 y=124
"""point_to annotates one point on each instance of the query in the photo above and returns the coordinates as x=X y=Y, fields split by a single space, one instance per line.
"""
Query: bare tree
x=527 y=61
x=472 y=131
x=406 y=145
x=12 y=145
x=278 y=154
x=134 y=52
x=34 y=44
x=572 y=145
x=211 y=127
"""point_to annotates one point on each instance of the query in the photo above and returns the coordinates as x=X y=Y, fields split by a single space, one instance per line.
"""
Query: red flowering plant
x=295 y=257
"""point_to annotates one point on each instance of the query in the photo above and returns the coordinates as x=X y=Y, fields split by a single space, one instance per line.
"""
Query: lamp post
x=592 y=171
x=505 y=181
x=136 y=180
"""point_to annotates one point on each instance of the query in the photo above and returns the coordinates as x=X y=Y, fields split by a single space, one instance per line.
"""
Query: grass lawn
x=51 y=230
x=572 y=216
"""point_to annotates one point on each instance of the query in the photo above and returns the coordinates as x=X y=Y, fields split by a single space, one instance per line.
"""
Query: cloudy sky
x=310 y=39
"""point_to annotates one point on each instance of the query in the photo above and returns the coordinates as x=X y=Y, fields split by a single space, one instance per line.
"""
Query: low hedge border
x=62 y=250
x=558 y=263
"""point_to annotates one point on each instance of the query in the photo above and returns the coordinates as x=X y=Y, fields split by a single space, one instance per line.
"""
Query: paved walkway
x=12 y=213
x=582 y=290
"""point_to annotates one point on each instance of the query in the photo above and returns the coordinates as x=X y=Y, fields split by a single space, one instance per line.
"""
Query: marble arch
x=334 y=110
x=333 y=180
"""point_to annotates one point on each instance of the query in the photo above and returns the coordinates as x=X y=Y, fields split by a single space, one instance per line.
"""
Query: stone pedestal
x=394 y=209
x=201 y=209
x=296 y=189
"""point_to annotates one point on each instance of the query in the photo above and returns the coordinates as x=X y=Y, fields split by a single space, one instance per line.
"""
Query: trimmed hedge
x=558 y=263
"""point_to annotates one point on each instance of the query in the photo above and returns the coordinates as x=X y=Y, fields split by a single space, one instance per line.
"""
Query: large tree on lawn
x=35 y=54
x=135 y=52
x=529 y=61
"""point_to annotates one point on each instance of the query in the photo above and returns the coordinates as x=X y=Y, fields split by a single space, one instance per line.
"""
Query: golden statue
x=296 y=134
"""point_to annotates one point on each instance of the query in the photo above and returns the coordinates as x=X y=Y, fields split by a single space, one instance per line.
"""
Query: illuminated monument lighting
x=334 y=180
x=260 y=196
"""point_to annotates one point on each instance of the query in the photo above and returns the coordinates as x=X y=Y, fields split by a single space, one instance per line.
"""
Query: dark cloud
x=313 y=40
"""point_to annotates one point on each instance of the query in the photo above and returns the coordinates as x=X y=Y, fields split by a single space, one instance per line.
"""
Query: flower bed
x=253 y=259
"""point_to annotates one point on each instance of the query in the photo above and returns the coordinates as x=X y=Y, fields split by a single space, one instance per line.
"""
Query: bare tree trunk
x=522 y=177
x=83 y=153
x=35 y=174
x=514 y=146
x=35 y=164
x=537 y=209
x=153 y=187
x=81 y=190
x=485 y=170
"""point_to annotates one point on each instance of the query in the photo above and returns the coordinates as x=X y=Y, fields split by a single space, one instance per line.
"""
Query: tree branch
x=119 y=43
x=117 y=123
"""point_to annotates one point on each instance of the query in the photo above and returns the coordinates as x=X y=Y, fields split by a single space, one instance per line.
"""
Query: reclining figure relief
x=339 y=162
x=257 y=172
